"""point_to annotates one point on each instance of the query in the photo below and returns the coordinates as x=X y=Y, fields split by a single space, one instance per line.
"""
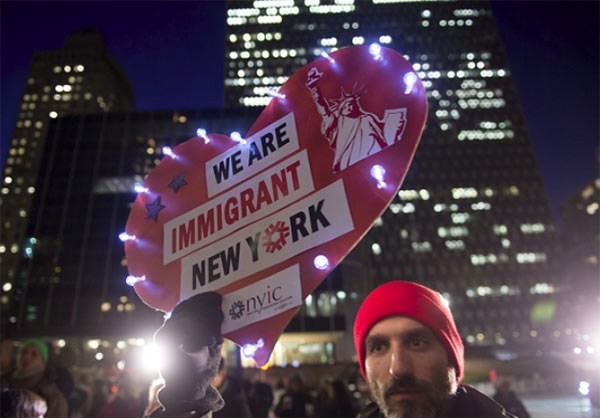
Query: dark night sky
x=173 y=54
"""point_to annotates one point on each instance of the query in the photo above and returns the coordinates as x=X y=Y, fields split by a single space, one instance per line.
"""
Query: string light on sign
x=133 y=280
x=378 y=173
x=325 y=55
x=275 y=93
x=409 y=81
x=140 y=189
x=124 y=236
x=168 y=151
x=321 y=262
x=248 y=350
x=201 y=133
x=237 y=137
x=375 y=50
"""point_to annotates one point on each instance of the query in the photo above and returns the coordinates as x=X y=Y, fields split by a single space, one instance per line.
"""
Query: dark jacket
x=42 y=383
x=466 y=403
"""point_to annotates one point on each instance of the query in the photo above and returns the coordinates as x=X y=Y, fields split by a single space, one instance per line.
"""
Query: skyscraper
x=471 y=219
x=71 y=280
x=81 y=77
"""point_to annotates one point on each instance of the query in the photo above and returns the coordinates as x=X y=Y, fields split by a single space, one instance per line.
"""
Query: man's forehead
x=398 y=324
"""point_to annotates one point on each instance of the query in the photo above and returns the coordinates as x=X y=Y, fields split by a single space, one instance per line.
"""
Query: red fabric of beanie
x=414 y=301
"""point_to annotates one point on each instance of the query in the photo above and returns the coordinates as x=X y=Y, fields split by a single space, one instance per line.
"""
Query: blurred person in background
x=260 y=397
x=296 y=401
x=335 y=401
x=232 y=391
x=123 y=402
x=32 y=373
x=507 y=397
x=21 y=403
x=412 y=356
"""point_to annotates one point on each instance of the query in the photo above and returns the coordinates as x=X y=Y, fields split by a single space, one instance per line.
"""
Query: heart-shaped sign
x=263 y=220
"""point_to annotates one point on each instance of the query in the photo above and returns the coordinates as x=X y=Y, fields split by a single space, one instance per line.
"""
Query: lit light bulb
x=275 y=93
x=378 y=173
x=202 y=134
x=237 y=137
x=375 y=50
x=132 y=280
x=168 y=151
x=324 y=54
x=321 y=262
x=409 y=81
x=124 y=236
x=248 y=350
x=140 y=189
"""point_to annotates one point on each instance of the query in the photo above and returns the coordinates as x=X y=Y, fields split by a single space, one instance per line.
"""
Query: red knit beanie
x=416 y=302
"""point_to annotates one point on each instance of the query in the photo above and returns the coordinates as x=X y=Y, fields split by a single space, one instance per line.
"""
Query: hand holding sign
x=263 y=220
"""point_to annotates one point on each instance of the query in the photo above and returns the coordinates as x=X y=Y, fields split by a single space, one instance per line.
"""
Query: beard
x=433 y=402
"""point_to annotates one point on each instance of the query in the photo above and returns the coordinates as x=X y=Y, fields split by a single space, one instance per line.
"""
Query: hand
x=191 y=341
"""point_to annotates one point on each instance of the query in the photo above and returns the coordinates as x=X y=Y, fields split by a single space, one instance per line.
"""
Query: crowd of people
x=36 y=388
x=410 y=355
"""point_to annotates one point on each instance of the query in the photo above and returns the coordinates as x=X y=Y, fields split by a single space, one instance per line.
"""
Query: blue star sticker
x=153 y=209
x=178 y=182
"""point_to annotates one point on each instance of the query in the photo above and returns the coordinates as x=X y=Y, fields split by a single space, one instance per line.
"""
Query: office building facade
x=81 y=77
x=471 y=219
x=72 y=278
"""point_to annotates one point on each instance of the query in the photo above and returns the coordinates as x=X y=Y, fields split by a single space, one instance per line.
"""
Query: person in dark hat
x=412 y=356
x=32 y=373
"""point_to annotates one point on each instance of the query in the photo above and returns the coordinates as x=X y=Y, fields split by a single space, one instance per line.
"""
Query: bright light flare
x=152 y=359
x=584 y=388
x=409 y=82
x=378 y=173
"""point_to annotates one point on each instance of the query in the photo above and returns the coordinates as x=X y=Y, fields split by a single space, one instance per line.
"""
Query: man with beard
x=412 y=356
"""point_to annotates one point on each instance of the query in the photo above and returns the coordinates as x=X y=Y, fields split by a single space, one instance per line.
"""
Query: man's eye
x=419 y=343
x=376 y=348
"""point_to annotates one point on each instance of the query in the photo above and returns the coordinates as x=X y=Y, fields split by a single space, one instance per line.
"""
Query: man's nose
x=400 y=363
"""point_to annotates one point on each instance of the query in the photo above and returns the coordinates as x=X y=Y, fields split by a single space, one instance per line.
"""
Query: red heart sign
x=263 y=220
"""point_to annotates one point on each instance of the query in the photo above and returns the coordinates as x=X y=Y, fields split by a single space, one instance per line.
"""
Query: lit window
x=464 y=193
x=460 y=217
x=527 y=258
x=536 y=228
x=500 y=229
x=421 y=247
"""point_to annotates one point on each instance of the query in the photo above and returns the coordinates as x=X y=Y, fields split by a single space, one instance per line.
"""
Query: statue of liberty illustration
x=352 y=132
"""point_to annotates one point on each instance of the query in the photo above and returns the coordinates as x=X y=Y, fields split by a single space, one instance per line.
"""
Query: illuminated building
x=72 y=277
x=81 y=77
x=472 y=219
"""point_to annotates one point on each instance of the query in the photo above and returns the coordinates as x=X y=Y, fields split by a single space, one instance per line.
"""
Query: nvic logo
x=255 y=304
